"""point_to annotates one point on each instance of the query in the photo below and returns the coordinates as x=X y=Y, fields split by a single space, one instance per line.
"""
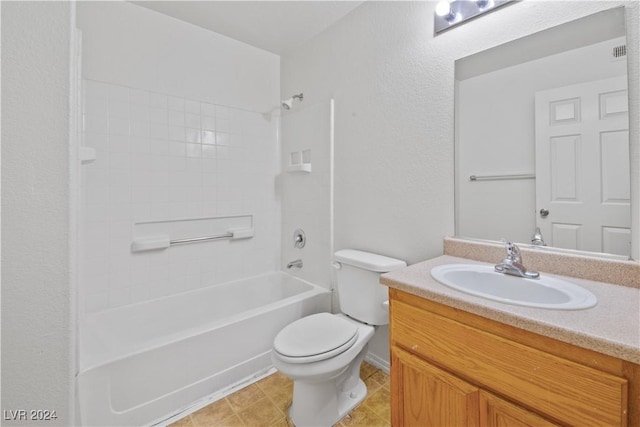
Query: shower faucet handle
x=299 y=238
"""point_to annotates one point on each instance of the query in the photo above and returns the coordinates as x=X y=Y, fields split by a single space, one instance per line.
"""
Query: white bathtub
x=143 y=362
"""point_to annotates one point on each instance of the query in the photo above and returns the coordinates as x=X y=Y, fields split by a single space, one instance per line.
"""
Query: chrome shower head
x=288 y=103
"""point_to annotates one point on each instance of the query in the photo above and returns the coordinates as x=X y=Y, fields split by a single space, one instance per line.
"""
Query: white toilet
x=322 y=353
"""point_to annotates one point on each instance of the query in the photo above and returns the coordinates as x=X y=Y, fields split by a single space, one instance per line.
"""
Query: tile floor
x=265 y=402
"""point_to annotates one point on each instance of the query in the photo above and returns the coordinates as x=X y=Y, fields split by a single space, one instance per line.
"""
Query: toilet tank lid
x=368 y=261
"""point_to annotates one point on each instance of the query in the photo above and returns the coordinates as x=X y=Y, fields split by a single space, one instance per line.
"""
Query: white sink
x=543 y=292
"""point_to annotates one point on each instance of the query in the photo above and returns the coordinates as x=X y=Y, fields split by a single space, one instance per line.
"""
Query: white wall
x=37 y=299
x=175 y=113
x=133 y=46
x=496 y=136
x=393 y=85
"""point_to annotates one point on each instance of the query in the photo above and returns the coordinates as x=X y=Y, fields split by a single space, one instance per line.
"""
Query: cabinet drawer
x=561 y=389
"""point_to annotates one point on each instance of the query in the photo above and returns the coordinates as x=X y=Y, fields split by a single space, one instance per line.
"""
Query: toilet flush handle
x=386 y=304
x=336 y=265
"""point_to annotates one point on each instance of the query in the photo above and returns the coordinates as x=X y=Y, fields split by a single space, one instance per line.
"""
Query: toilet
x=322 y=353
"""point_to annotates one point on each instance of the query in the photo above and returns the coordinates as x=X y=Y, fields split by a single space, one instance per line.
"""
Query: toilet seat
x=315 y=338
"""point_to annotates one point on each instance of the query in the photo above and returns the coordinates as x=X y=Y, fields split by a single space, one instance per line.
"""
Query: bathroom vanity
x=457 y=359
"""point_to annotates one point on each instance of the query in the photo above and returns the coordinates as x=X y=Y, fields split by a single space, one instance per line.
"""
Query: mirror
x=542 y=138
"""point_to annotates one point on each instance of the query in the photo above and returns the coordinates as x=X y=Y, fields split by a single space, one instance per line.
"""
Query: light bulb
x=443 y=8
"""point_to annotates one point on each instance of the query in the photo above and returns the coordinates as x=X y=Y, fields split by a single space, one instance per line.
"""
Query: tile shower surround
x=162 y=157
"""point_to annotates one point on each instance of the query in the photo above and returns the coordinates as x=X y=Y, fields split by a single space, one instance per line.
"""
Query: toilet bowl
x=326 y=387
x=322 y=353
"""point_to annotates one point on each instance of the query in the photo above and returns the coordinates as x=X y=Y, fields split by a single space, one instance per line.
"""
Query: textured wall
x=393 y=84
x=37 y=298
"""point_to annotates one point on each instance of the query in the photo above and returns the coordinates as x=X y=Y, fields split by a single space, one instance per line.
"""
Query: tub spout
x=297 y=264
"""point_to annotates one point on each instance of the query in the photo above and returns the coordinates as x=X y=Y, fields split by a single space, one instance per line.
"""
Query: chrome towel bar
x=201 y=239
x=501 y=177
x=150 y=243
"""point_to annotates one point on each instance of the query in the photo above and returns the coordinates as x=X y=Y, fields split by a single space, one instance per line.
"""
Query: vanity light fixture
x=444 y=10
x=450 y=13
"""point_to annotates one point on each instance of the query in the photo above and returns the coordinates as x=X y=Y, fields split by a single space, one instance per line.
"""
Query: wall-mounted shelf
x=159 y=235
x=299 y=161
x=87 y=154
x=301 y=167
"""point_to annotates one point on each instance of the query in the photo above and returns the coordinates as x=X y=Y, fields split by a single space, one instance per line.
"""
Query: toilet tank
x=360 y=293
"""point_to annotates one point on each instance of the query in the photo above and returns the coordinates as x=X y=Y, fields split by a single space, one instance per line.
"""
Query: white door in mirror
x=545 y=292
x=582 y=166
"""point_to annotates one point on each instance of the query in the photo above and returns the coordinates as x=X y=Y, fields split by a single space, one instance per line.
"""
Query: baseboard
x=378 y=362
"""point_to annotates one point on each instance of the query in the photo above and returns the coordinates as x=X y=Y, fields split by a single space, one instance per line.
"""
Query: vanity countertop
x=612 y=327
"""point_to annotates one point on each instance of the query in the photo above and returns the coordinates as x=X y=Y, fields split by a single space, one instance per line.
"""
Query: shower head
x=288 y=103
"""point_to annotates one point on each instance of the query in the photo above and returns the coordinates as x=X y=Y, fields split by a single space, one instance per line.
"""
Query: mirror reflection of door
x=582 y=166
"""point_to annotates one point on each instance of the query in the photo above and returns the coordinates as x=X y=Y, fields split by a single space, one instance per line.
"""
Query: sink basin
x=543 y=292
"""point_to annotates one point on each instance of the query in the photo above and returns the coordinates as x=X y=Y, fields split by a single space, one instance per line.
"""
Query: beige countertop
x=612 y=327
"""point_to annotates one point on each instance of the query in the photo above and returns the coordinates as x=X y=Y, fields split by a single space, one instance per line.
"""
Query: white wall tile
x=118 y=109
x=95 y=123
x=177 y=133
x=158 y=131
x=192 y=120
x=158 y=115
x=192 y=135
x=160 y=159
x=93 y=89
x=118 y=126
x=118 y=93
x=208 y=123
x=139 y=97
x=176 y=103
x=176 y=118
x=192 y=107
x=158 y=100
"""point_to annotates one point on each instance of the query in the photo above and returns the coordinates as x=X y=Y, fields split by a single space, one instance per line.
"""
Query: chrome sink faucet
x=512 y=264
x=537 y=239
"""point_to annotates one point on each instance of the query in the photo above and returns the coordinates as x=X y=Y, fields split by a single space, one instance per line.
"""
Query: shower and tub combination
x=149 y=360
x=182 y=291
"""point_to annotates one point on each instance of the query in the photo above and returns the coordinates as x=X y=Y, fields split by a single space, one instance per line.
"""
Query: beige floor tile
x=232 y=421
x=366 y=369
x=265 y=404
x=372 y=384
x=281 y=422
x=242 y=399
x=282 y=399
x=380 y=403
x=261 y=413
x=213 y=414
x=276 y=380
x=279 y=389
x=380 y=376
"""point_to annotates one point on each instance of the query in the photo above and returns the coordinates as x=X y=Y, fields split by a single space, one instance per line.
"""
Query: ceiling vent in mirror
x=619 y=51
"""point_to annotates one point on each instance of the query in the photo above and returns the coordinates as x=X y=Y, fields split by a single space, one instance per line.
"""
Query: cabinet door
x=495 y=412
x=423 y=395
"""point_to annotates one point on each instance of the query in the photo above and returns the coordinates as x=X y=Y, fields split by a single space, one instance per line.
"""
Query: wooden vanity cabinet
x=453 y=368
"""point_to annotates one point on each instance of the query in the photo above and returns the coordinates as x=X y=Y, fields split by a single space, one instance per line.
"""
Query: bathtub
x=144 y=362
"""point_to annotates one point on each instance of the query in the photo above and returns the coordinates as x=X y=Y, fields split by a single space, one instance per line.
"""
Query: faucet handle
x=513 y=251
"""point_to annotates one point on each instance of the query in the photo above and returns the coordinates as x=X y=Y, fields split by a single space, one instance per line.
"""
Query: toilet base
x=325 y=403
